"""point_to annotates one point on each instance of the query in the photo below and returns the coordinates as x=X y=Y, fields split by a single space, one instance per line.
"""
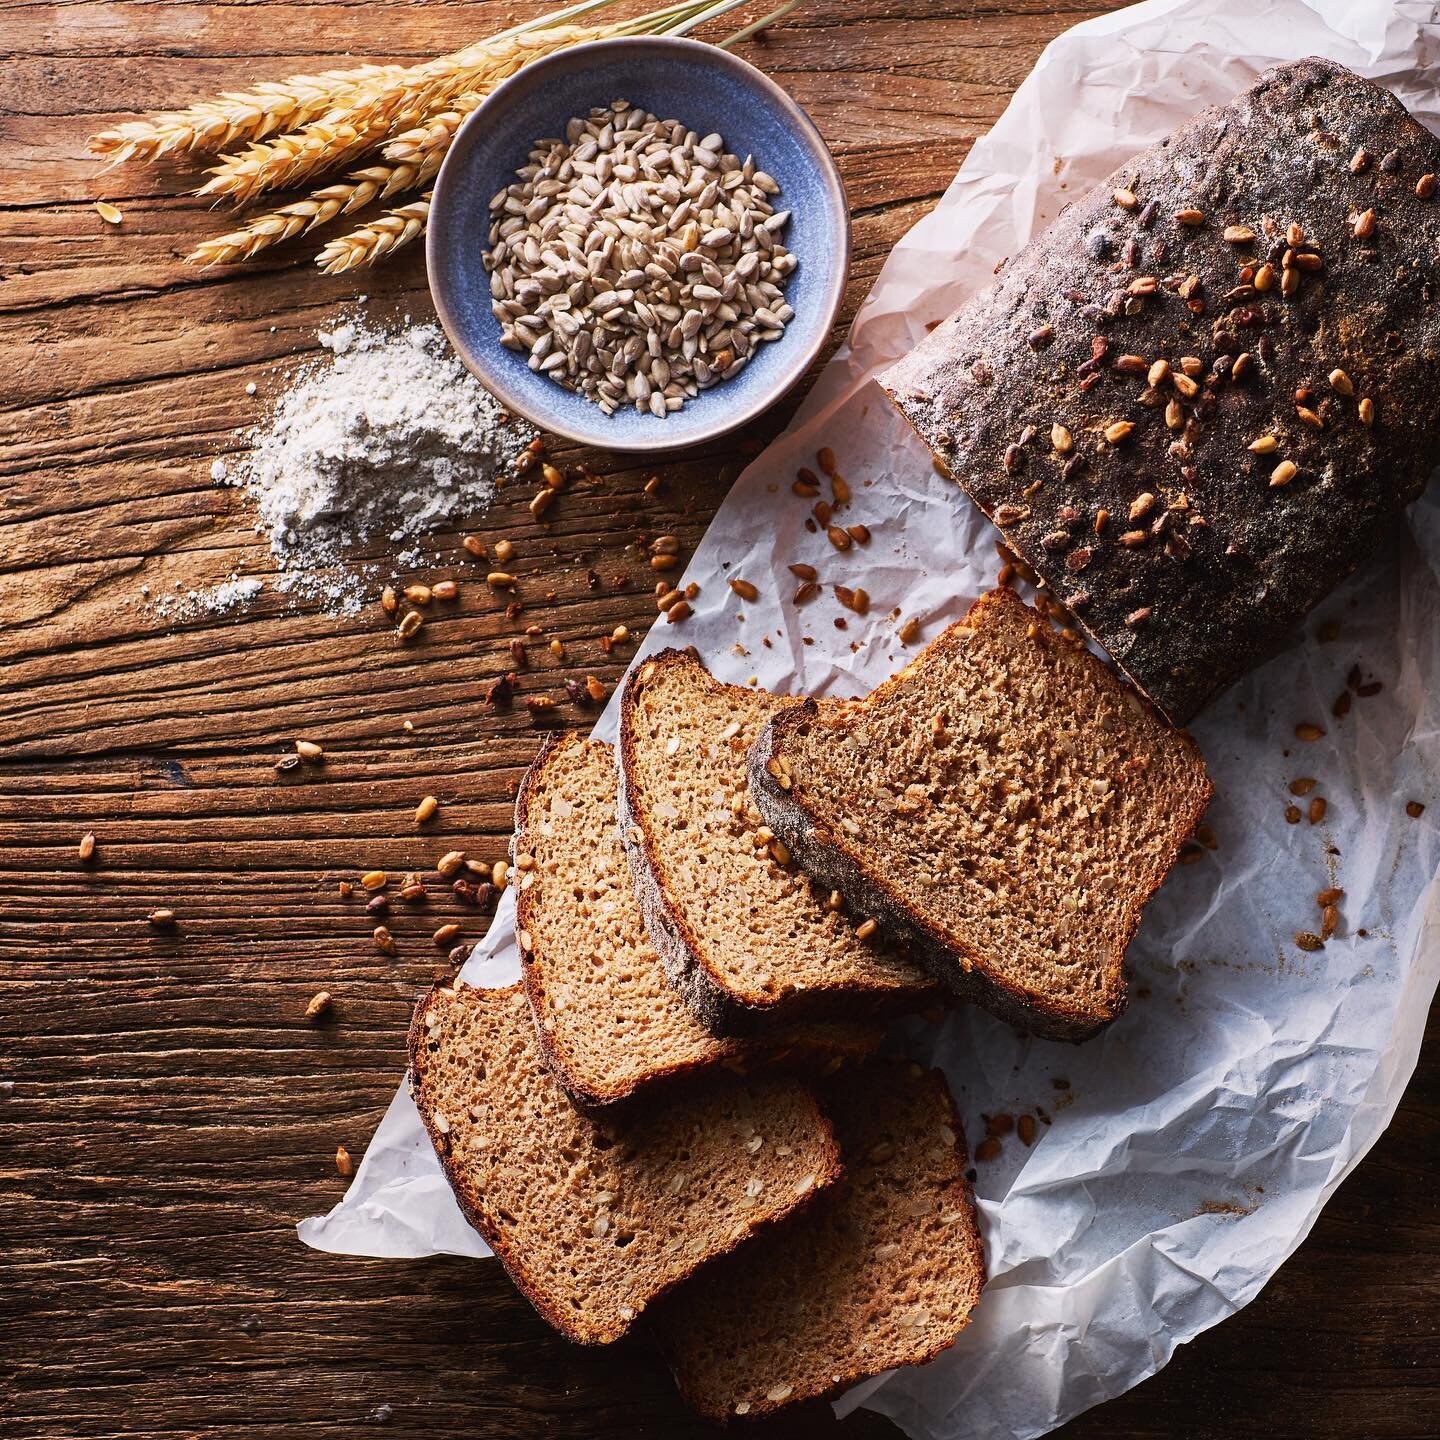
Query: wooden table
x=168 y=1112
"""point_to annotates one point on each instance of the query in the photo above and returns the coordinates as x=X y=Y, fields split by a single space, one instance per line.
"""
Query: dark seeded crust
x=472 y=1204
x=719 y=1009
x=966 y=1257
x=1188 y=611
x=804 y=1048
x=965 y=971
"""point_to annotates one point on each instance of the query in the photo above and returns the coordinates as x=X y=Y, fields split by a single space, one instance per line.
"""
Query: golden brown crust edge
x=826 y=856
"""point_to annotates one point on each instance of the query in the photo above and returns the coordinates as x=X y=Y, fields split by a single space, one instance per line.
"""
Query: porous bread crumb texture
x=1010 y=800
x=883 y=1270
x=755 y=926
x=609 y=1021
x=596 y=1219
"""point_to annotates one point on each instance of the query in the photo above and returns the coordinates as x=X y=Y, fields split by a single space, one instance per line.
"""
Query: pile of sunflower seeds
x=636 y=261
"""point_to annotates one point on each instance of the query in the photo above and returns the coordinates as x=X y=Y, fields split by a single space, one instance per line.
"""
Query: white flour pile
x=389 y=440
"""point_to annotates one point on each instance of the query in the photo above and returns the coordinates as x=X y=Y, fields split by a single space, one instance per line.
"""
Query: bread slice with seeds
x=743 y=936
x=596 y=1219
x=1005 y=803
x=883 y=1270
x=609 y=1022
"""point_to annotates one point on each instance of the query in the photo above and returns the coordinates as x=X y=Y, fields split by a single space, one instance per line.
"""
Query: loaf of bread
x=1197 y=401
x=595 y=1219
x=1005 y=804
x=608 y=1021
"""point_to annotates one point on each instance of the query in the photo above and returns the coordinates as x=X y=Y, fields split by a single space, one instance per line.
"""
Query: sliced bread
x=595 y=1219
x=883 y=1270
x=743 y=935
x=1005 y=803
x=609 y=1022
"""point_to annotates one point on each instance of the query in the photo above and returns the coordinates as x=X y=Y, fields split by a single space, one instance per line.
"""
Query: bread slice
x=609 y=1022
x=883 y=1270
x=1004 y=802
x=593 y=1219
x=743 y=936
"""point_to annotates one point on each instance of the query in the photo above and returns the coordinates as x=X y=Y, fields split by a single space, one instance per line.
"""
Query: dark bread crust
x=796 y=1049
x=864 y=880
x=472 y=1204
x=1235 y=563
x=720 y=1009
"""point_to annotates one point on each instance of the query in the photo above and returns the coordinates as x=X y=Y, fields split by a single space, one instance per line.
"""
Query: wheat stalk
x=382 y=236
x=212 y=125
x=349 y=131
x=374 y=182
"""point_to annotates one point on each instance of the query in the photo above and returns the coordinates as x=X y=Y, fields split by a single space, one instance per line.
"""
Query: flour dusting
x=213 y=600
x=387 y=440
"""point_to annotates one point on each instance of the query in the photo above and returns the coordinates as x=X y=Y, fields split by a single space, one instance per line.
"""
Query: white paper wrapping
x=1200 y=1135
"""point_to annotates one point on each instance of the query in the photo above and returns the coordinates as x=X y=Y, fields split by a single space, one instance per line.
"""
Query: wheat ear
x=435 y=135
x=382 y=236
x=212 y=125
x=357 y=190
x=349 y=131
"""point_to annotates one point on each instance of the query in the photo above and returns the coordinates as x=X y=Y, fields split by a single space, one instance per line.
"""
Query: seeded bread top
x=884 y=1270
x=750 y=922
x=609 y=1021
x=595 y=1219
x=1005 y=797
x=1197 y=400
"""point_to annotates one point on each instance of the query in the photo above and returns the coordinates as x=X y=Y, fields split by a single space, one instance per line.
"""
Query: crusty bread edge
x=829 y=858
x=962 y=1193
x=718 y=1008
x=514 y=1265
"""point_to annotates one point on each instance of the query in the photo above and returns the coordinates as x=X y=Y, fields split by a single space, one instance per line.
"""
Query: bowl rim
x=832 y=297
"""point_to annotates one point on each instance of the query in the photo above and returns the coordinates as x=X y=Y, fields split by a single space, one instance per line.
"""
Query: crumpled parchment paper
x=1185 y=1153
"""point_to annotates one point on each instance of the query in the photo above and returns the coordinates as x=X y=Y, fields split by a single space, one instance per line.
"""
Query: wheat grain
x=382 y=236
x=374 y=182
x=212 y=125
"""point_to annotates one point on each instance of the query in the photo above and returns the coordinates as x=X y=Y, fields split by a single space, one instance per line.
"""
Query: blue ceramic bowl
x=708 y=90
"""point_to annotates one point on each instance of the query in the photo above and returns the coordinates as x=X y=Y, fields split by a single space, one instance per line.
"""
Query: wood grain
x=167 y=1113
